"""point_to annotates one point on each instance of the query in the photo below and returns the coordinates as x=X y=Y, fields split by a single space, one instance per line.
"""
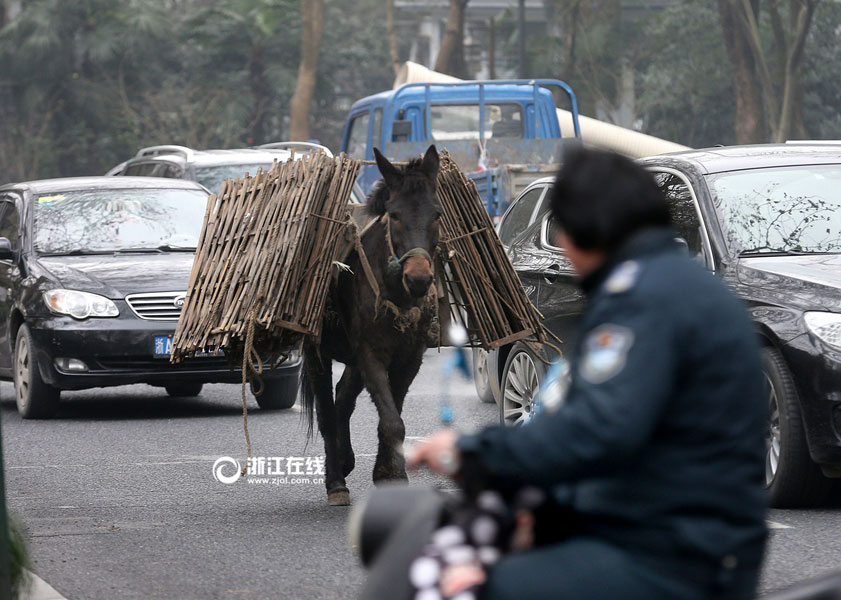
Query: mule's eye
x=394 y=216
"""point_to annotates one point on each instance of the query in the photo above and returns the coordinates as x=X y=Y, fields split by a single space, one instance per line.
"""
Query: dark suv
x=767 y=220
x=93 y=275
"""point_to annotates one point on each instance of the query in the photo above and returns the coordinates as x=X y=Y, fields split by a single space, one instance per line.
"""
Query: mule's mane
x=414 y=181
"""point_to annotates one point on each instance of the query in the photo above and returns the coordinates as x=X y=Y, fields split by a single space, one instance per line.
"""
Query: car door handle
x=551 y=273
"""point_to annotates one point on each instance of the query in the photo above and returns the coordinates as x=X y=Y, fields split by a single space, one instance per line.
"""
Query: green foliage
x=686 y=89
x=821 y=74
x=86 y=83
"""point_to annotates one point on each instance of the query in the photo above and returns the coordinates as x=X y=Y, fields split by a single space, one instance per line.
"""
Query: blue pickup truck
x=503 y=133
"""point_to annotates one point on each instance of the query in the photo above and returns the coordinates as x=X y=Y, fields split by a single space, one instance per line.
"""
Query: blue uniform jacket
x=661 y=436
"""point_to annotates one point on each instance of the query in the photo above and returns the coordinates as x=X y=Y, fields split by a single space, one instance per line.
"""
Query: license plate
x=163 y=348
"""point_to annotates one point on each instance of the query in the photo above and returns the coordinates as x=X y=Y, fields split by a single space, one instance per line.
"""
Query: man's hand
x=438 y=452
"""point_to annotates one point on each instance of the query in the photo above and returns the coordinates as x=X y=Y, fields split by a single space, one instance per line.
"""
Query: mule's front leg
x=391 y=431
x=348 y=388
x=319 y=377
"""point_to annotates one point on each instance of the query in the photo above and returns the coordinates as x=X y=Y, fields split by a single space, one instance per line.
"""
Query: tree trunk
x=751 y=125
x=392 y=36
x=312 y=24
x=791 y=90
x=450 y=58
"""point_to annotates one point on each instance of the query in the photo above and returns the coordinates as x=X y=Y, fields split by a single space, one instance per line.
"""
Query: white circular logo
x=220 y=464
x=179 y=300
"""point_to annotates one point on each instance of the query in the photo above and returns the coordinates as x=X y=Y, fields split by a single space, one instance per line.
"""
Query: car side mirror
x=6 y=252
x=684 y=245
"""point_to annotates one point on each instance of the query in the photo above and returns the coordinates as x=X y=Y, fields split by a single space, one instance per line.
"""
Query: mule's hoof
x=391 y=478
x=339 y=498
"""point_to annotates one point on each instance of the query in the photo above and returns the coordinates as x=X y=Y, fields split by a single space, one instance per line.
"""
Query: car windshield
x=212 y=177
x=780 y=210
x=113 y=220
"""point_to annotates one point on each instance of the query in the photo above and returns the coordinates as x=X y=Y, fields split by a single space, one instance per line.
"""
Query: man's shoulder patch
x=623 y=277
x=604 y=352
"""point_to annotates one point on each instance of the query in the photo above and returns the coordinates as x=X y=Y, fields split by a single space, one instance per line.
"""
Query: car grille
x=144 y=363
x=157 y=306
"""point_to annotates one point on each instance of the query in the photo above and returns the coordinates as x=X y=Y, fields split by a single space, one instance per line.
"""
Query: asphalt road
x=119 y=499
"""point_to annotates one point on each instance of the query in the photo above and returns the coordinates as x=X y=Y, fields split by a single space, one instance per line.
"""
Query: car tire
x=278 y=393
x=792 y=478
x=184 y=390
x=521 y=379
x=481 y=377
x=35 y=398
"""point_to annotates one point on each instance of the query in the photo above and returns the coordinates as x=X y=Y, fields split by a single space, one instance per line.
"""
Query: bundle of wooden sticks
x=270 y=242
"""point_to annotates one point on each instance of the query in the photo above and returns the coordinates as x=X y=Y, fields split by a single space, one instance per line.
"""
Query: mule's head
x=408 y=196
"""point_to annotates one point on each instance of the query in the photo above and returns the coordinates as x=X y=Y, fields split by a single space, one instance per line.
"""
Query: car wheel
x=35 y=398
x=278 y=393
x=520 y=384
x=792 y=478
x=480 y=376
x=184 y=390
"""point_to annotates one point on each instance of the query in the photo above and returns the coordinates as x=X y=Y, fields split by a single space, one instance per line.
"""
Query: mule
x=381 y=340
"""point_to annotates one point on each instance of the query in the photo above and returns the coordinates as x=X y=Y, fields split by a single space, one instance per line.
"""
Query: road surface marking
x=775 y=525
x=40 y=590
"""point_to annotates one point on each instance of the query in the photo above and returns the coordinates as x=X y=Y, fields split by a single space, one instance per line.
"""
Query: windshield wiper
x=772 y=252
x=171 y=248
x=76 y=252
x=140 y=250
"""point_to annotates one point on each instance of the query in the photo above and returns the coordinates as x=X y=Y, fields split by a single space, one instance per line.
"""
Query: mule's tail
x=311 y=360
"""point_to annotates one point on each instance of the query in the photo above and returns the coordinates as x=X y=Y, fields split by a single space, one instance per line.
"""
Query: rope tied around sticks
x=253 y=364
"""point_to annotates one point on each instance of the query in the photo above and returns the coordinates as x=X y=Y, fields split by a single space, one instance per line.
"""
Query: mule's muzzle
x=417 y=275
x=418 y=286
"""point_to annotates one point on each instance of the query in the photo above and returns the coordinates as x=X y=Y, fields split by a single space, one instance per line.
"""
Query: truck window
x=461 y=121
x=503 y=121
x=378 y=127
x=357 y=139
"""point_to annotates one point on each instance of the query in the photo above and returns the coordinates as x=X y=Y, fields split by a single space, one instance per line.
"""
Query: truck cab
x=503 y=133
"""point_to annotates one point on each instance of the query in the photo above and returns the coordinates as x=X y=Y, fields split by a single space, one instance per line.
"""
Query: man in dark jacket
x=655 y=458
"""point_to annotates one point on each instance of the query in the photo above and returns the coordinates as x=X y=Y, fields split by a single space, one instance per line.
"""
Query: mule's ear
x=377 y=200
x=431 y=162
x=389 y=172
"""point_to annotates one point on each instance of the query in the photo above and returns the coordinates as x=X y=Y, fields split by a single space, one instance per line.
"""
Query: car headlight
x=79 y=305
x=825 y=326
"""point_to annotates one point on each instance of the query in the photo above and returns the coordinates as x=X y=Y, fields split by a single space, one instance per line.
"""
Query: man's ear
x=389 y=172
x=431 y=162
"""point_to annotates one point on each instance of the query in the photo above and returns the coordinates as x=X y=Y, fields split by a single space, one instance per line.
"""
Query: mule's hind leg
x=319 y=376
x=348 y=388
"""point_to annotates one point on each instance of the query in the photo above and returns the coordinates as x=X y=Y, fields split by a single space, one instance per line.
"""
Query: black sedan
x=766 y=219
x=93 y=275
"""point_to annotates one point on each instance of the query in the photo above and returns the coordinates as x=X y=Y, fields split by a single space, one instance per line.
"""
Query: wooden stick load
x=477 y=272
x=264 y=258
x=269 y=243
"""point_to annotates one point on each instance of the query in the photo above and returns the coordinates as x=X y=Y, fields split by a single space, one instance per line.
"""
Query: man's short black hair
x=601 y=198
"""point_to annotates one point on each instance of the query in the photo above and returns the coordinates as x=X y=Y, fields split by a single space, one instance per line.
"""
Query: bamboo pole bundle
x=478 y=274
x=263 y=261
x=269 y=242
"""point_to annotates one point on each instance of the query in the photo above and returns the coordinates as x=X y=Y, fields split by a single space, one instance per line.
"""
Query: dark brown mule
x=380 y=342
